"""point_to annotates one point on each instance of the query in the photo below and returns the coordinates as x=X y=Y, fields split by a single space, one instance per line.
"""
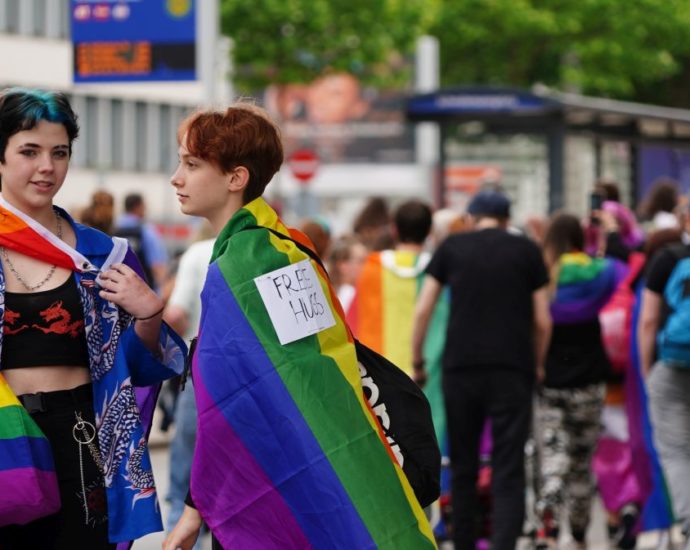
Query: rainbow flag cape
x=382 y=312
x=288 y=453
x=584 y=285
x=19 y=232
x=29 y=488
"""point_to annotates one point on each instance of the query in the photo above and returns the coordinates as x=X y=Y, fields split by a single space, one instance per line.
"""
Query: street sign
x=303 y=164
x=133 y=40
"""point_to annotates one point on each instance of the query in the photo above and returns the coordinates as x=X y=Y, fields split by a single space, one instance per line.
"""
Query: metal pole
x=555 y=136
x=427 y=134
x=208 y=30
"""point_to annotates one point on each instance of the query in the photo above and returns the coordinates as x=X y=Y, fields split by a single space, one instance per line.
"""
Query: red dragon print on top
x=11 y=326
x=58 y=321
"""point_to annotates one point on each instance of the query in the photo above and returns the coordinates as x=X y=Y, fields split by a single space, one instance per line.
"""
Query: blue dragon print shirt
x=126 y=378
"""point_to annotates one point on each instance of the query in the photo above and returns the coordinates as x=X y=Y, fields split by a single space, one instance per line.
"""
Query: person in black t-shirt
x=497 y=336
x=668 y=382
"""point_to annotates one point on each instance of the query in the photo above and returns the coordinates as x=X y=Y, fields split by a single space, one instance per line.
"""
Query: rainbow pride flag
x=382 y=313
x=585 y=284
x=288 y=453
x=19 y=232
x=28 y=485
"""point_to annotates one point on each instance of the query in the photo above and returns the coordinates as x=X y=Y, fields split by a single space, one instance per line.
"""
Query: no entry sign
x=303 y=164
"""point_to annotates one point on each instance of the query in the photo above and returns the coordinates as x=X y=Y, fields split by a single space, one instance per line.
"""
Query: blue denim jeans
x=669 y=407
x=181 y=455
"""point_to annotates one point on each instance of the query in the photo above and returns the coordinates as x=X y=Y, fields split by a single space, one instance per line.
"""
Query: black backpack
x=405 y=416
x=402 y=409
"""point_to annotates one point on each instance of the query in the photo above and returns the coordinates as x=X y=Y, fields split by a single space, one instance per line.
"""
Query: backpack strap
x=308 y=251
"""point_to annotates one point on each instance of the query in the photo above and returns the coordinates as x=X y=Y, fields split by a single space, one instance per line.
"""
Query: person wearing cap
x=497 y=337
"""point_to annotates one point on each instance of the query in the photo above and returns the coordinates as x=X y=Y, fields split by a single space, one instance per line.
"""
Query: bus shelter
x=548 y=148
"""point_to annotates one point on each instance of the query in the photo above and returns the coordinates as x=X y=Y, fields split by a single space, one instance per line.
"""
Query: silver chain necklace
x=52 y=269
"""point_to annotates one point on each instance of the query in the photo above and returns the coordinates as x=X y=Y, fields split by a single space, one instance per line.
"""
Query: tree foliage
x=632 y=50
x=603 y=47
x=283 y=41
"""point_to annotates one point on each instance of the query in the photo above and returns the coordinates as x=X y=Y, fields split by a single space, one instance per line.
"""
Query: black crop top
x=44 y=328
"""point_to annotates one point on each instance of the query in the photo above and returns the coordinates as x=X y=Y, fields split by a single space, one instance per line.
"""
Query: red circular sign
x=303 y=164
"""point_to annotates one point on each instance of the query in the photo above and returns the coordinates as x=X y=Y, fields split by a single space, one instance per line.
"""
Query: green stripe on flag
x=363 y=464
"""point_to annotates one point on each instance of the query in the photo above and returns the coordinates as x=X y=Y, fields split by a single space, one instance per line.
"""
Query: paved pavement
x=596 y=537
x=160 y=459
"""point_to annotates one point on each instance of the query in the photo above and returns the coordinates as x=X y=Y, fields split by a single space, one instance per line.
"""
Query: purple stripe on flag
x=27 y=494
x=261 y=411
x=228 y=483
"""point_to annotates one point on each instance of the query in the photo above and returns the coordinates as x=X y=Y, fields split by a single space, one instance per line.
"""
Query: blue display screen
x=130 y=40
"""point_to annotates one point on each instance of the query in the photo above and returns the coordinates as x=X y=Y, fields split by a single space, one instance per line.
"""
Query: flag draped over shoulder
x=382 y=313
x=657 y=511
x=289 y=453
x=585 y=284
x=19 y=232
x=26 y=464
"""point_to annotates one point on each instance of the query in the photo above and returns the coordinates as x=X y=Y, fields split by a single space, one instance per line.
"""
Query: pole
x=427 y=135
x=207 y=33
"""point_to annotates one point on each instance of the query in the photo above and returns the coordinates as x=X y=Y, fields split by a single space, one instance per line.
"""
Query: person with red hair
x=283 y=424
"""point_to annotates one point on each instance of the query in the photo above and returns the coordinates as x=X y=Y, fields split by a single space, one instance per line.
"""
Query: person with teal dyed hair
x=83 y=350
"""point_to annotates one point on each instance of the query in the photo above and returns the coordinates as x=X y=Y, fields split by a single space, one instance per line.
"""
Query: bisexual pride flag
x=288 y=454
x=28 y=485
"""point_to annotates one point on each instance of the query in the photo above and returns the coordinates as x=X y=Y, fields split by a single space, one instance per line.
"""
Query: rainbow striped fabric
x=584 y=285
x=28 y=485
x=382 y=313
x=19 y=232
x=289 y=453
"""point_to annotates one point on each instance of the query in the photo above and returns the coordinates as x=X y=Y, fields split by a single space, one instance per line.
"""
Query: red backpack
x=617 y=315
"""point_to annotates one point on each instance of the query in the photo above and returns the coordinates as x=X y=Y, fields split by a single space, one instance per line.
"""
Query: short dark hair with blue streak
x=23 y=108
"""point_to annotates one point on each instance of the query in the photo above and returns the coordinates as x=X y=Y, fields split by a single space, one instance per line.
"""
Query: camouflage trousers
x=567 y=430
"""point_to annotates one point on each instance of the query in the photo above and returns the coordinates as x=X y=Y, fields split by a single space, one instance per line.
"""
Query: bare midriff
x=46 y=379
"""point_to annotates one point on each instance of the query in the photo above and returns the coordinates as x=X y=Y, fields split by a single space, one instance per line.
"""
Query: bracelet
x=150 y=316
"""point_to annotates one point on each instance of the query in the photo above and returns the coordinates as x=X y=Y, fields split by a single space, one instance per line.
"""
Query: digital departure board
x=131 y=40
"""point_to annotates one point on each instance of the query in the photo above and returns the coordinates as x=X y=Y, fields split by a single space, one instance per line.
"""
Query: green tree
x=287 y=41
x=613 y=48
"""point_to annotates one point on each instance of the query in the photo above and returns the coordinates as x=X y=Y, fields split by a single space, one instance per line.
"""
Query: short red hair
x=243 y=135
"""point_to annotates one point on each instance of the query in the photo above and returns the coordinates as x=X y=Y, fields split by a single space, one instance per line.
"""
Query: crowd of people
x=572 y=334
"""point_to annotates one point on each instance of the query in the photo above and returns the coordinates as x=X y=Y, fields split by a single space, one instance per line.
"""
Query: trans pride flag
x=28 y=486
x=288 y=453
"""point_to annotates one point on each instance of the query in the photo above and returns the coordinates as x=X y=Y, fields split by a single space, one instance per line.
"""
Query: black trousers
x=55 y=414
x=505 y=397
